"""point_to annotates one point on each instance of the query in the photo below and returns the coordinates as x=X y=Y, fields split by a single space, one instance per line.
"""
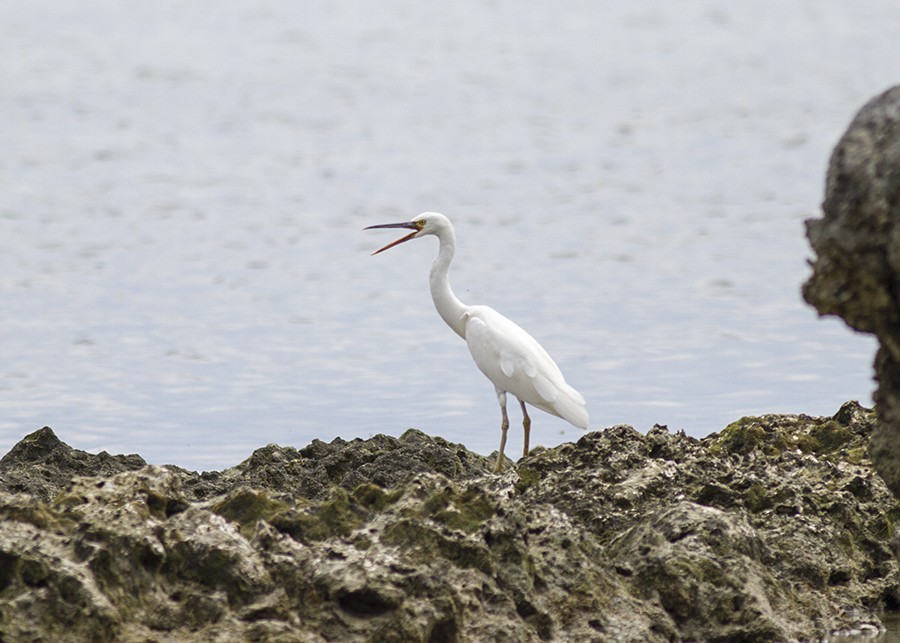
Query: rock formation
x=774 y=529
x=856 y=273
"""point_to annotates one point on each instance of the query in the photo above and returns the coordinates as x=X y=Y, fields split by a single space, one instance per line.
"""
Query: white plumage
x=507 y=355
x=515 y=362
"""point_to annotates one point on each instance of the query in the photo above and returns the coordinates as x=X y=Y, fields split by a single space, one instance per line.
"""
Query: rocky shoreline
x=777 y=528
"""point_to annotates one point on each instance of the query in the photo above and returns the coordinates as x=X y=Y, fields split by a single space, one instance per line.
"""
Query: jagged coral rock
x=775 y=529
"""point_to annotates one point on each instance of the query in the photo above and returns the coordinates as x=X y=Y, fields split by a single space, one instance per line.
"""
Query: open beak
x=409 y=225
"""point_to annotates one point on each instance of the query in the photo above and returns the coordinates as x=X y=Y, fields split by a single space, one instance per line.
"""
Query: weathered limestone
x=856 y=272
x=775 y=529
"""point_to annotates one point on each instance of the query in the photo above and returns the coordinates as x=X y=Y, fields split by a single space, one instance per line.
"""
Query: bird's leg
x=504 y=427
x=526 y=424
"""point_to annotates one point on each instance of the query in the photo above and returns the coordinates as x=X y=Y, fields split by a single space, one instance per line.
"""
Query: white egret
x=509 y=357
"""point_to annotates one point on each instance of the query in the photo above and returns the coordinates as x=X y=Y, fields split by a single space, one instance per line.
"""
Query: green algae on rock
x=618 y=537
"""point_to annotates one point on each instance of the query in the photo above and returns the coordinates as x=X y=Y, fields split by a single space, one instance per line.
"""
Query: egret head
x=425 y=223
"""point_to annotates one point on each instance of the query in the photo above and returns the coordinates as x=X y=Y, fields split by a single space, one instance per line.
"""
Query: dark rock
x=774 y=529
x=313 y=471
x=857 y=267
x=41 y=465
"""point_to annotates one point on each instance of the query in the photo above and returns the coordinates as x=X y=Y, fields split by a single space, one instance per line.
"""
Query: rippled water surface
x=183 y=270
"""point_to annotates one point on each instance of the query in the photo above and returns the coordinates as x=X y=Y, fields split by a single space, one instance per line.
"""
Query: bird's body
x=507 y=355
x=515 y=362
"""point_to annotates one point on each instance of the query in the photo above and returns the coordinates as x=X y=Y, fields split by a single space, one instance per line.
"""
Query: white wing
x=514 y=361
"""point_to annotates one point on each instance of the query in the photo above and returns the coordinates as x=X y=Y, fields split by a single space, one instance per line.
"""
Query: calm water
x=183 y=271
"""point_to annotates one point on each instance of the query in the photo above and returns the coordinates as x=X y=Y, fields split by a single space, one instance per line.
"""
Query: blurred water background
x=183 y=187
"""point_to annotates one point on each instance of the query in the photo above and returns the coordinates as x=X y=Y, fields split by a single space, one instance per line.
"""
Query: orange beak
x=409 y=225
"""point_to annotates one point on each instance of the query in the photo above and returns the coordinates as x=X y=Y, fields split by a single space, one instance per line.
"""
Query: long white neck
x=449 y=307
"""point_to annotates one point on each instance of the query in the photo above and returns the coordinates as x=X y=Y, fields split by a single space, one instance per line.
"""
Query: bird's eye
x=420 y=224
